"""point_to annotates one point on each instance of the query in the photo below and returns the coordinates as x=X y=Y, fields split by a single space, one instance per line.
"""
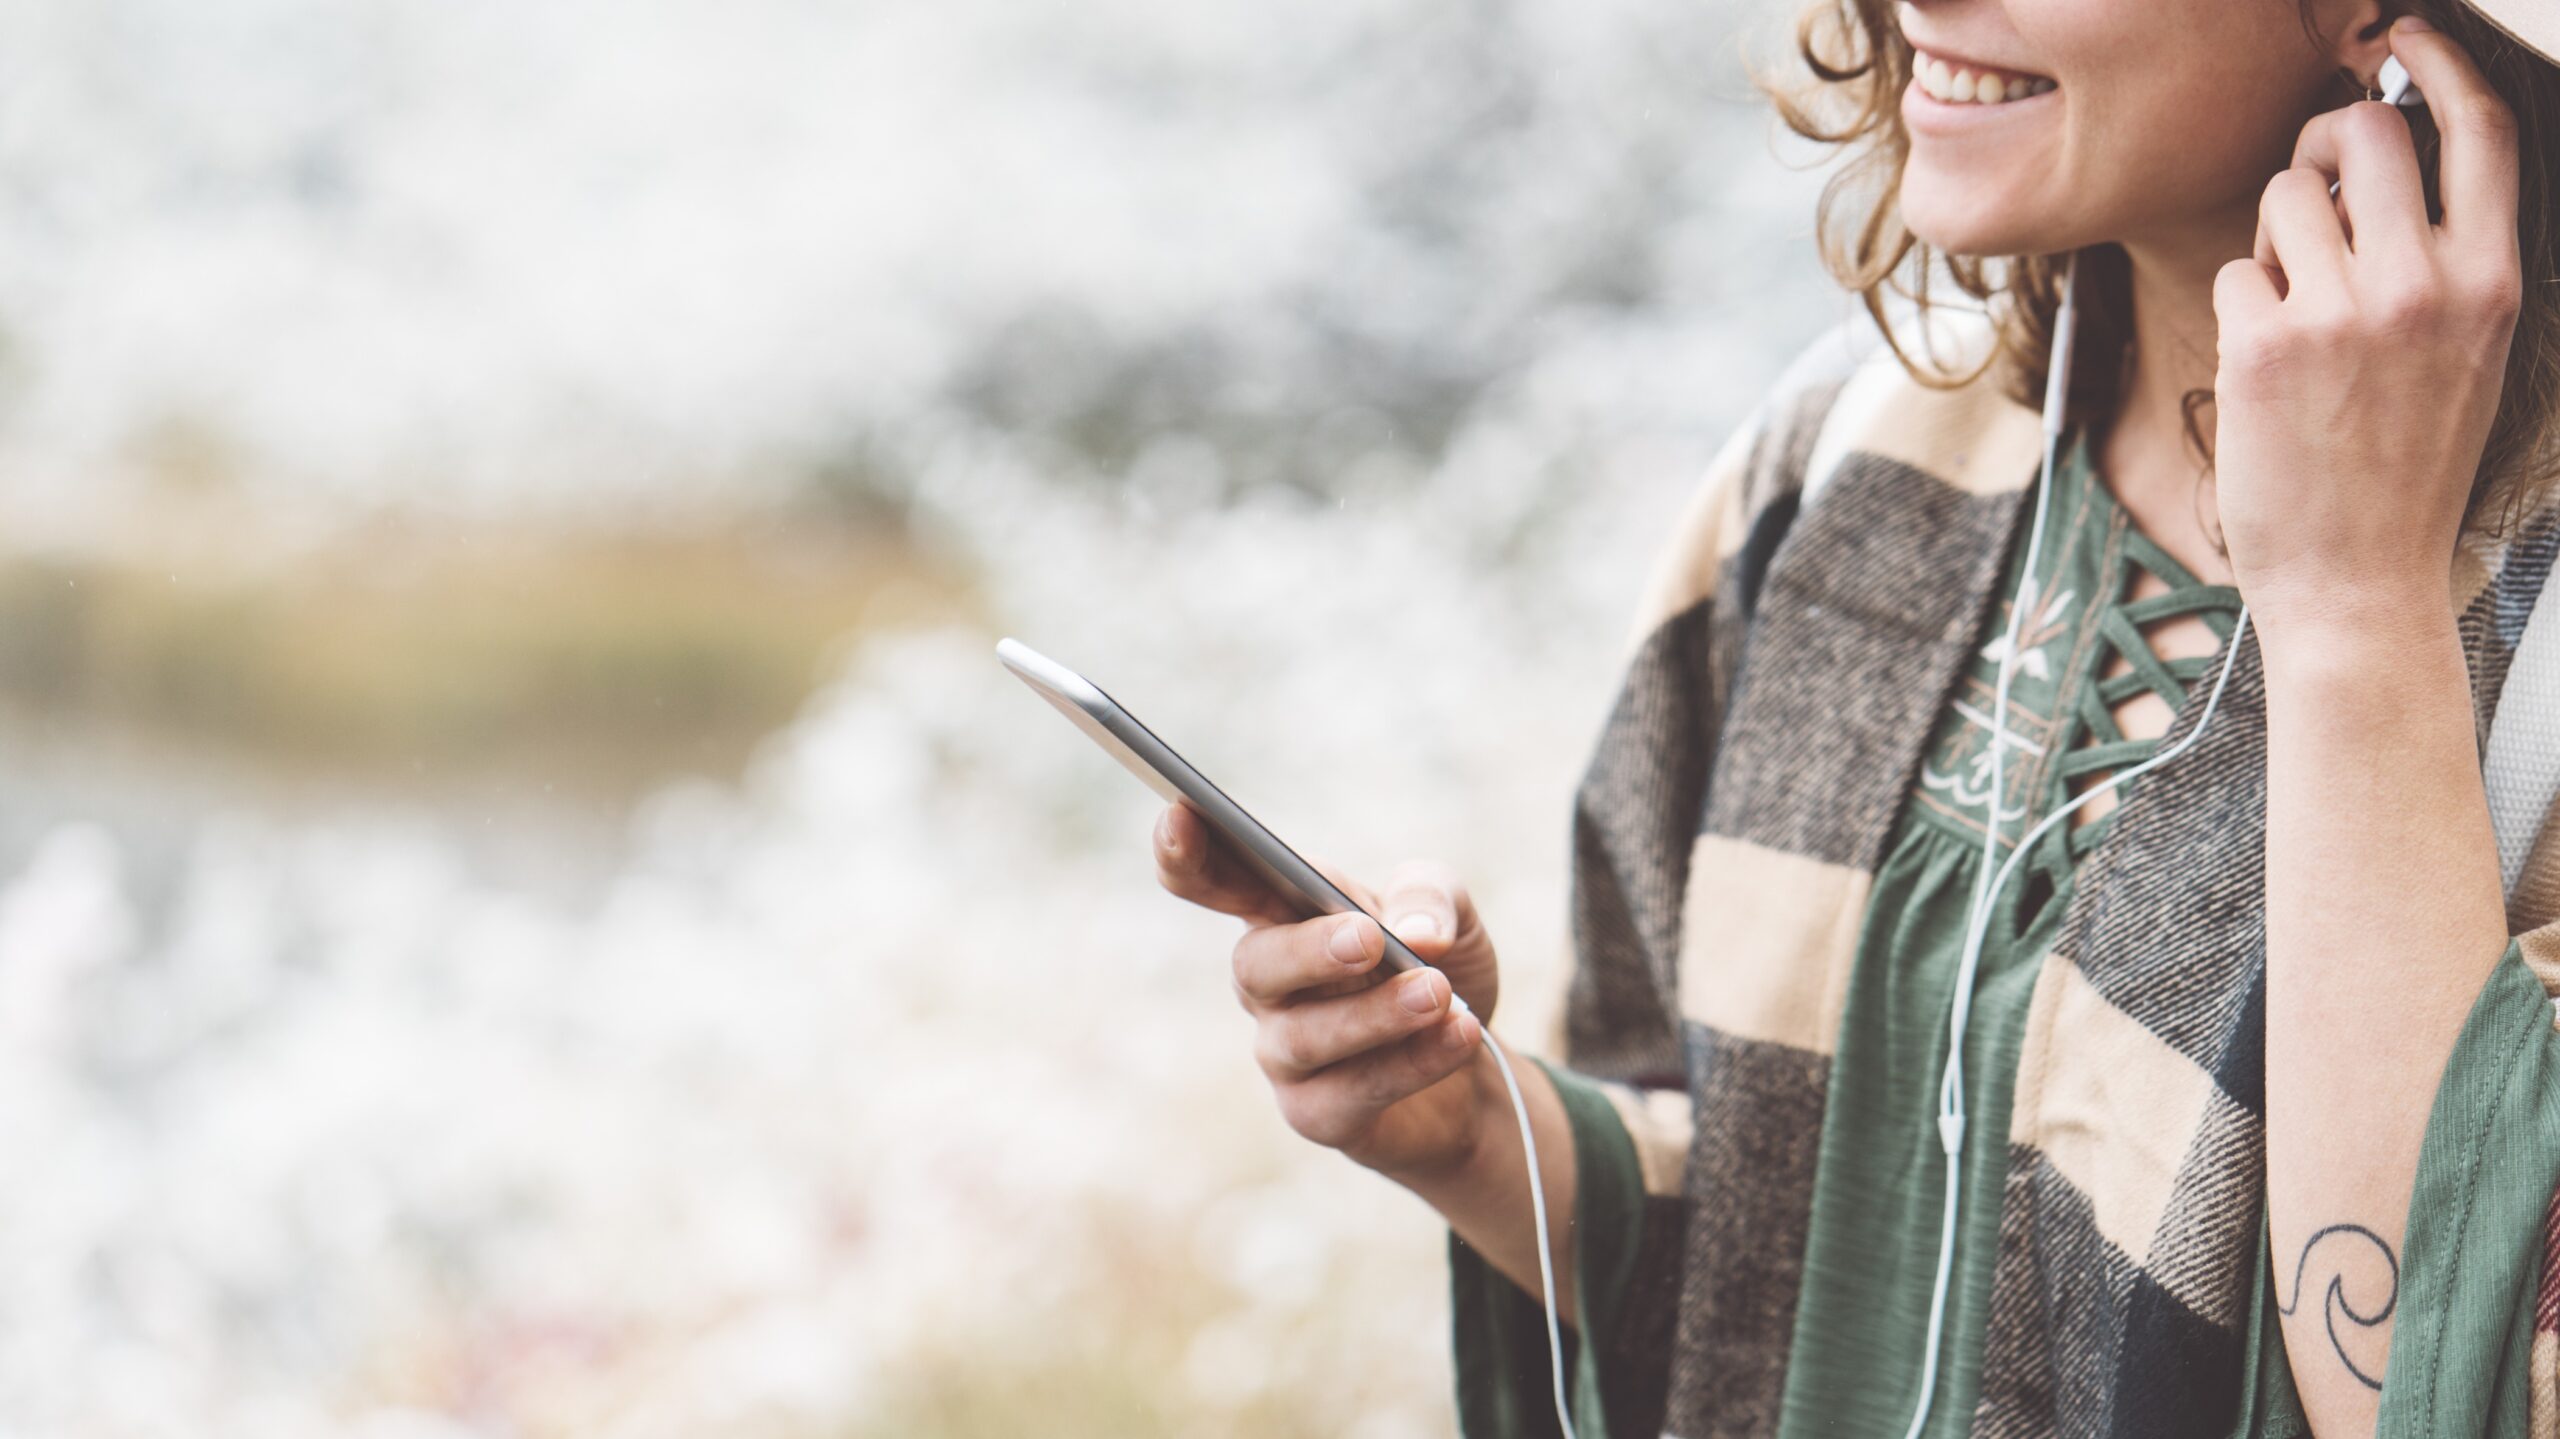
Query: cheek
x=2199 y=148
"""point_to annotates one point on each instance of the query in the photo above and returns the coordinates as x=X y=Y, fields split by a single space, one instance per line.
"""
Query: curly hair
x=1860 y=61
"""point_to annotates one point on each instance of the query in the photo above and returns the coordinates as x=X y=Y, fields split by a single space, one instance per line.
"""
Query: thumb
x=1426 y=906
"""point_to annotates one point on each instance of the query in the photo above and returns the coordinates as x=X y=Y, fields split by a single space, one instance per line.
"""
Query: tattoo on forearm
x=2333 y=1299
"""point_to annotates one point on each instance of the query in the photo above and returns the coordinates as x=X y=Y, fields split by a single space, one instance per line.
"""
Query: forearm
x=2385 y=916
x=1485 y=1196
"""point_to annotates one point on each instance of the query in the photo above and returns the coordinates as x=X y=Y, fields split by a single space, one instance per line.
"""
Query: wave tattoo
x=2334 y=1299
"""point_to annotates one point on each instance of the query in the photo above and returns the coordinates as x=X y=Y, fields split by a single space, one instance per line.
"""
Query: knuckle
x=2227 y=285
x=1292 y=1048
x=1428 y=1060
x=1268 y=1050
x=2296 y=176
x=1295 y=1109
x=2316 y=323
x=2489 y=121
x=2406 y=304
x=1246 y=969
x=1307 y=1109
x=1246 y=980
x=1184 y=881
x=2495 y=298
x=2333 y=328
x=2251 y=354
x=1397 y=1080
x=1371 y=1088
x=2372 y=120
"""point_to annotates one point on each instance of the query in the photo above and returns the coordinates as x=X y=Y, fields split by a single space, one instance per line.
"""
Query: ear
x=2360 y=38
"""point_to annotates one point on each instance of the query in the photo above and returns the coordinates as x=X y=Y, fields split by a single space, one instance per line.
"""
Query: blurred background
x=528 y=905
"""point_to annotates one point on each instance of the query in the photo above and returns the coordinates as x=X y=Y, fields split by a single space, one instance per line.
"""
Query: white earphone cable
x=1537 y=1210
x=1950 y=1116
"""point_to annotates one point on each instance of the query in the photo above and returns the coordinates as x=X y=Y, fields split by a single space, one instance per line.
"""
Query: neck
x=2173 y=337
x=2148 y=463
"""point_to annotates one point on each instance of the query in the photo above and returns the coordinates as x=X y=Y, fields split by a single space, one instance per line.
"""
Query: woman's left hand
x=2362 y=355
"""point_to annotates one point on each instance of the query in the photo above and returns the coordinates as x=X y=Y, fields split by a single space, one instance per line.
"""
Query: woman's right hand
x=1388 y=1073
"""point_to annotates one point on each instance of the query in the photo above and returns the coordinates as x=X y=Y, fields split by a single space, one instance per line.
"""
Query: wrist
x=2350 y=631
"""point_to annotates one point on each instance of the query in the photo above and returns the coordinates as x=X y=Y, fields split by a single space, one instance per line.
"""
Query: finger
x=1426 y=903
x=1195 y=863
x=1295 y=1042
x=1335 y=1103
x=2302 y=235
x=2477 y=174
x=2244 y=297
x=2366 y=148
x=1277 y=964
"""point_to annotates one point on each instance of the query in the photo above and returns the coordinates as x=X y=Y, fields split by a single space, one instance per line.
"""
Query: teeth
x=1965 y=87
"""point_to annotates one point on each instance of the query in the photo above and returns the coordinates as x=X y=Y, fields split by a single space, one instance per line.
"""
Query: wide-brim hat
x=2534 y=24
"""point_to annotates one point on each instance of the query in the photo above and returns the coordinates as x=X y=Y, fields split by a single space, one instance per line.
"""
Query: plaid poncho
x=1725 y=836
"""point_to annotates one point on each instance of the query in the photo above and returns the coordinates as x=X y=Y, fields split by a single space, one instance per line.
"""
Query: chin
x=1939 y=218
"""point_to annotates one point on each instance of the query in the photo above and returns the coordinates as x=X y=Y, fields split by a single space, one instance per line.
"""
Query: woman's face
x=2147 y=118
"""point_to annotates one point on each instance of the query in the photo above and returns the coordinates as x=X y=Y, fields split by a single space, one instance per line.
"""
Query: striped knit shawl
x=1727 y=832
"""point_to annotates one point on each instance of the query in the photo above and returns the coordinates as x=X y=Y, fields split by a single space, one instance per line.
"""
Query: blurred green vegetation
x=598 y=662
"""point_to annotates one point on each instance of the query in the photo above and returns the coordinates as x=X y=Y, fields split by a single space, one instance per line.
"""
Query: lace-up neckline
x=2094 y=744
x=2065 y=732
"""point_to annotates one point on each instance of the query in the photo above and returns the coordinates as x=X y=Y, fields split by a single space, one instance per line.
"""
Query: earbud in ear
x=2393 y=80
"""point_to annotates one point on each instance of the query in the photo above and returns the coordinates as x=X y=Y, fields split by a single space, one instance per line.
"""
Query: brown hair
x=1859 y=59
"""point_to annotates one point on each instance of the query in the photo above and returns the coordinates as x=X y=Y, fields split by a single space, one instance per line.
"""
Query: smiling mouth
x=1965 y=84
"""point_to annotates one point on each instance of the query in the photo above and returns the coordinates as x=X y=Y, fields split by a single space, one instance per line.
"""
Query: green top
x=2466 y=1310
x=1871 y=1253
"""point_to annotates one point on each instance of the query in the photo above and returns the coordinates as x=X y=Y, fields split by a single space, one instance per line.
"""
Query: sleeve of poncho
x=1505 y=1385
x=1622 y=1073
x=2472 y=1343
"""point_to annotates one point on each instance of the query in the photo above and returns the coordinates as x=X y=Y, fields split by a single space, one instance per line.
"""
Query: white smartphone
x=1169 y=775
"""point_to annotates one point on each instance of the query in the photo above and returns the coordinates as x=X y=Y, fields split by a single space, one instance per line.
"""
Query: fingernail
x=2411 y=24
x=1164 y=834
x=1346 y=945
x=1458 y=1034
x=1421 y=993
x=1417 y=925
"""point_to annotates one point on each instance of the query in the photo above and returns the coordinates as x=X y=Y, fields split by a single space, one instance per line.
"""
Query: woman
x=2257 y=1126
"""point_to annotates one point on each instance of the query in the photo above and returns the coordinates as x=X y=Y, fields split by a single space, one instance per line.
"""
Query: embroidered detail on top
x=2062 y=736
